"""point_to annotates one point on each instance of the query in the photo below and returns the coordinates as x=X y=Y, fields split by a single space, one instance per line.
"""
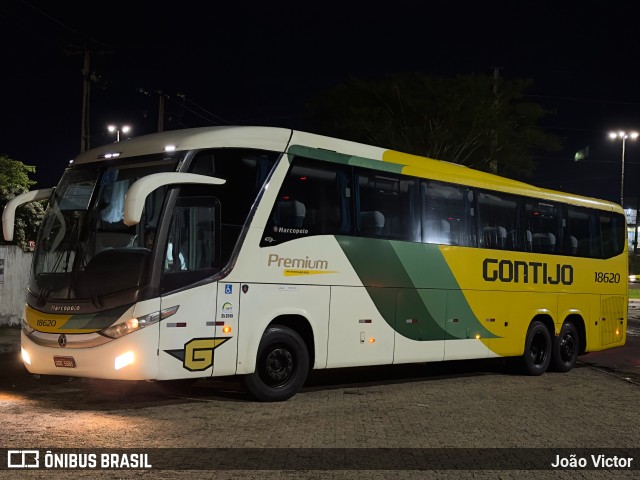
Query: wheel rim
x=538 y=349
x=567 y=347
x=277 y=366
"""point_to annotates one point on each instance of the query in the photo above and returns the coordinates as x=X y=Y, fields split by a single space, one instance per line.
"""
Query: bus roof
x=331 y=149
x=268 y=138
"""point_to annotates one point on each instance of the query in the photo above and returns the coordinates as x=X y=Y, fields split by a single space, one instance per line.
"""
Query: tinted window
x=245 y=172
x=543 y=227
x=314 y=200
x=387 y=206
x=499 y=225
x=613 y=235
x=448 y=214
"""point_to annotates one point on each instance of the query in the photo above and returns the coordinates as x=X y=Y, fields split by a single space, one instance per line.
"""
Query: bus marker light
x=25 y=356
x=226 y=329
x=617 y=332
x=478 y=337
x=124 y=360
x=372 y=340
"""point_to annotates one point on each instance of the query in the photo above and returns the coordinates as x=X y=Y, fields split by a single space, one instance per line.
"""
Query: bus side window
x=314 y=200
x=245 y=172
x=578 y=232
x=544 y=221
x=612 y=233
x=448 y=214
x=191 y=251
x=387 y=206
x=498 y=213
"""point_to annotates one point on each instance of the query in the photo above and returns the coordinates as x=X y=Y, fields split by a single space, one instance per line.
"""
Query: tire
x=537 y=349
x=282 y=365
x=565 y=349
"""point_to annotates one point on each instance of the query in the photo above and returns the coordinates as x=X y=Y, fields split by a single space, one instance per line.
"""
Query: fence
x=14 y=277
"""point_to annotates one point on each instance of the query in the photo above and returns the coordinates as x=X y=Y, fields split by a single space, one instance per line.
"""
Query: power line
x=183 y=97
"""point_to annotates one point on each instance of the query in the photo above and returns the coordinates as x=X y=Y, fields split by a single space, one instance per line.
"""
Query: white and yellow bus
x=266 y=252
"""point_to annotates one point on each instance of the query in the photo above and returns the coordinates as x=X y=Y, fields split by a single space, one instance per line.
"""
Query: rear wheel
x=566 y=348
x=537 y=349
x=282 y=365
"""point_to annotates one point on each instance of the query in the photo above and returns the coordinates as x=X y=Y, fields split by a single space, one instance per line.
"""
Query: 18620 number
x=604 y=277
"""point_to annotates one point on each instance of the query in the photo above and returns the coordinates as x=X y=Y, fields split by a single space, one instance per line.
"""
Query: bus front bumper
x=131 y=357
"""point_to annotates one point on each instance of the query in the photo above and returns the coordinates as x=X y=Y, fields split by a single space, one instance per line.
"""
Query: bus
x=267 y=252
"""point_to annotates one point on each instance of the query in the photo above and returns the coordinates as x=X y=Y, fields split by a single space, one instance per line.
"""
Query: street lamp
x=117 y=129
x=622 y=135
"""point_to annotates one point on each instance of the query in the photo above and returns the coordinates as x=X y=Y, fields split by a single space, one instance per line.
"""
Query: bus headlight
x=135 y=324
x=25 y=356
x=124 y=360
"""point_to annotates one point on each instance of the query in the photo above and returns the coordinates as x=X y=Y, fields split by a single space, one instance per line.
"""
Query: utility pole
x=160 y=111
x=86 y=91
x=493 y=161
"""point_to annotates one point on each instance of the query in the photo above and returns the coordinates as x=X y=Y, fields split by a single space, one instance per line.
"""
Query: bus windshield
x=85 y=219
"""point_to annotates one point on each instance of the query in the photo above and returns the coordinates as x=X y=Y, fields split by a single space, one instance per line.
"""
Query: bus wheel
x=282 y=365
x=566 y=348
x=537 y=349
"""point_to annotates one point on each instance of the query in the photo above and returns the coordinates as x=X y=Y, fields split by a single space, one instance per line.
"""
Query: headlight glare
x=134 y=324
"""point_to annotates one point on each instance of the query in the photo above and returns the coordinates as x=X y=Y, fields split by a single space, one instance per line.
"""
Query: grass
x=634 y=293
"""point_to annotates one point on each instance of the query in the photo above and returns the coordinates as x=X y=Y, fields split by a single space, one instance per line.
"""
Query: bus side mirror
x=9 y=213
x=137 y=193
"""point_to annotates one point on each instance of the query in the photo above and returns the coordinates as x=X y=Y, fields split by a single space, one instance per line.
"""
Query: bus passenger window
x=499 y=218
x=314 y=200
x=448 y=215
x=387 y=206
x=545 y=222
x=613 y=234
x=290 y=213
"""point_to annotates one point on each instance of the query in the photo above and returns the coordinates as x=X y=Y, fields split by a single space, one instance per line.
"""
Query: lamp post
x=622 y=135
x=117 y=129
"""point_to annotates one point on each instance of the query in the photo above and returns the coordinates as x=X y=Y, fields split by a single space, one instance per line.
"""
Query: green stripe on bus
x=342 y=159
x=411 y=281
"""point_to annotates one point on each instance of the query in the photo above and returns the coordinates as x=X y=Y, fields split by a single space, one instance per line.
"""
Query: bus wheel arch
x=282 y=361
x=538 y=345
x=568 y=344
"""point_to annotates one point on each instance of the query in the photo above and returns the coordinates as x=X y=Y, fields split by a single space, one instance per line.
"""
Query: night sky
x=258 y=63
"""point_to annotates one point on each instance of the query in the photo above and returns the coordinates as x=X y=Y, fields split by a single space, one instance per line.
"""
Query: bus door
x=187 y=337
x=190 y=259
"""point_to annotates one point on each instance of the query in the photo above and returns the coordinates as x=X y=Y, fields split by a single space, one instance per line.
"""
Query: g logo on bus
x=197 y=354
x=62 y=340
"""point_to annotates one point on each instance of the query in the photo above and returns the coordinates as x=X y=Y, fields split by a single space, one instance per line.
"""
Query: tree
x=14 y=180
x=475 y=120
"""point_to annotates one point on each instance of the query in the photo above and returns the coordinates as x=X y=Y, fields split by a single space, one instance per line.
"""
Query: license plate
x=66 y=362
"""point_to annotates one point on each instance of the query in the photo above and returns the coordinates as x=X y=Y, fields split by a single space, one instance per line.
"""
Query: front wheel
x=566 y=348
x=537 y=349
x=282 y=365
